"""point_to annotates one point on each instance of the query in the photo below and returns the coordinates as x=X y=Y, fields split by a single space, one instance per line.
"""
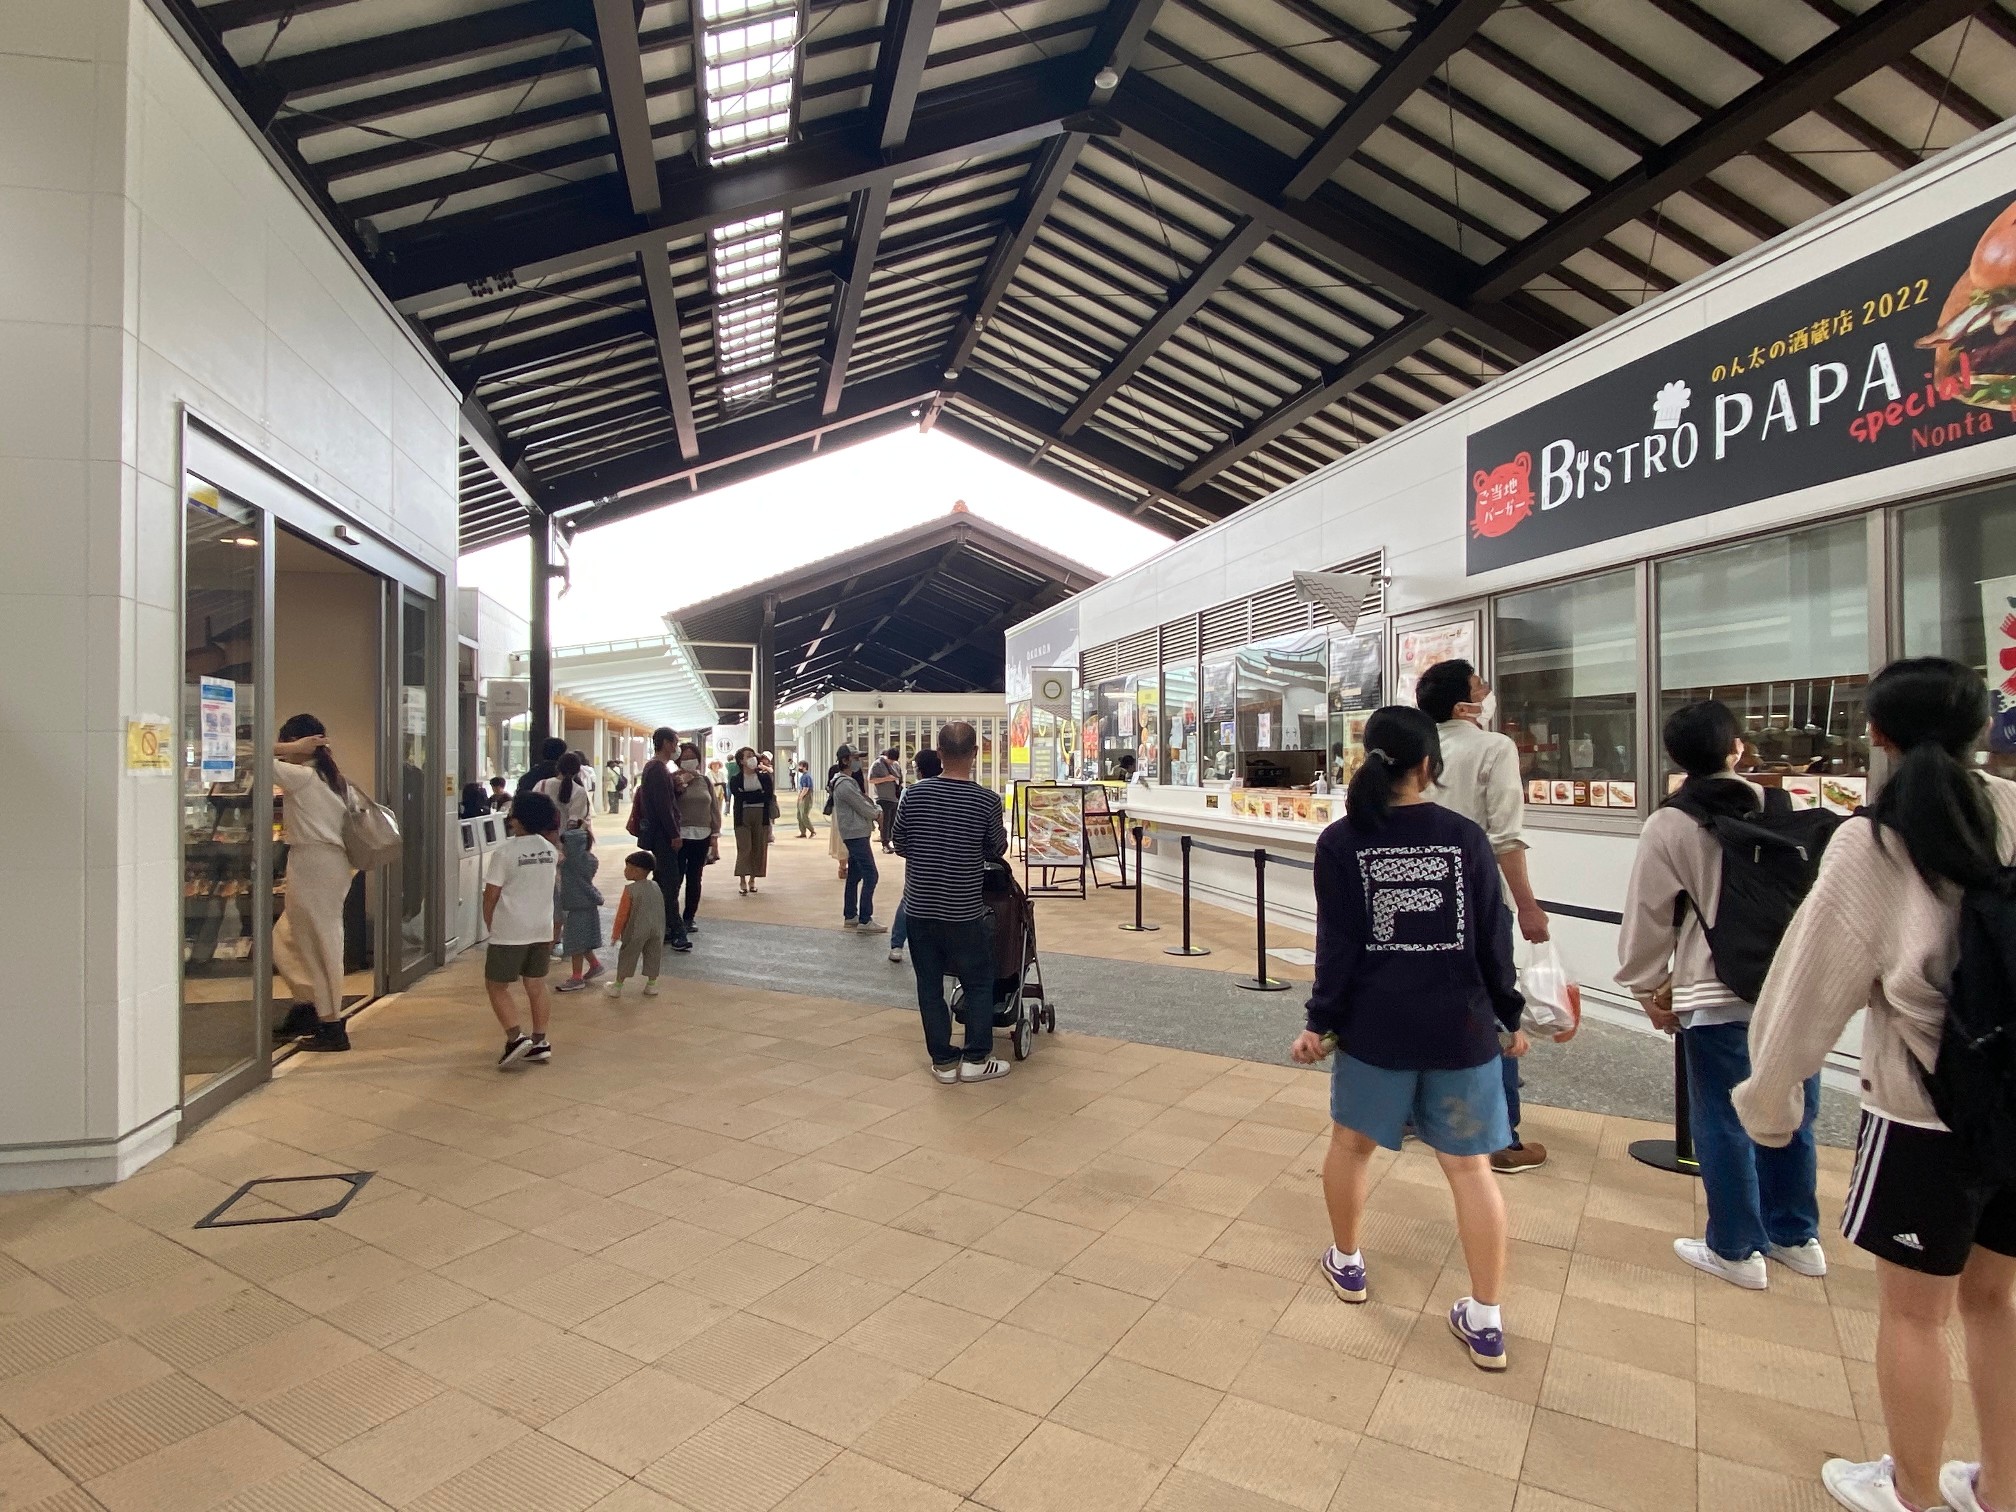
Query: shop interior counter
x=1225 y=826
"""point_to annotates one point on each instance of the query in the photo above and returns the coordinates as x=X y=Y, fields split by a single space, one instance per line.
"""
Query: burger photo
x=1978 y=324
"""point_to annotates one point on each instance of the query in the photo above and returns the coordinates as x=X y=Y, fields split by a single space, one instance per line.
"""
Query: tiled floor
x=739 y=1252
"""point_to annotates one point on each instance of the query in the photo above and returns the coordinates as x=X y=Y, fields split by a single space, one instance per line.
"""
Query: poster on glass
x=1419 y=649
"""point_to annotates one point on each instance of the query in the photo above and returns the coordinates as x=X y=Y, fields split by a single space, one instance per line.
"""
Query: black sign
x=1879 y=362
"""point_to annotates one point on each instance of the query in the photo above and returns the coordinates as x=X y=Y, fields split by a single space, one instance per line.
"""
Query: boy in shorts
x=518 y=908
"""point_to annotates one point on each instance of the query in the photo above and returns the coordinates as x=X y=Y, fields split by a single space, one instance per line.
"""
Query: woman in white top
x=308 y=939
x=569 y=794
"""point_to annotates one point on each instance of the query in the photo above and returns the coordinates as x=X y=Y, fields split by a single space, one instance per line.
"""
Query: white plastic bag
x=1553 y=1000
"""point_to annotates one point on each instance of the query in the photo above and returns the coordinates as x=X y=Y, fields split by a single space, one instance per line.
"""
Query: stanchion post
x=1260 y=981
x=1137 y=927
x=1186 y=948
x=1675 y=1154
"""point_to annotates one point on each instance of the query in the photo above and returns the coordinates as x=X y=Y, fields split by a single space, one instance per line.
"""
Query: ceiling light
x=1106 y=78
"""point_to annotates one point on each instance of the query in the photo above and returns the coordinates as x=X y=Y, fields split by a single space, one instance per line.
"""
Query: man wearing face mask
x=700 y=836
x=1480 y=780
x=655 y=823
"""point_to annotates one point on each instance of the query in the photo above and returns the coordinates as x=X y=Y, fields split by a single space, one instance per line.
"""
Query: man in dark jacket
x=658 y=819
x=548 y=764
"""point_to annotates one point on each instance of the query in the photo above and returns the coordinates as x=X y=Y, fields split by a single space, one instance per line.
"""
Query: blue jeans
x=899 y=927
x=965 y=950
x=861 y=875
x=1509 y=1068
x=1757 y=1196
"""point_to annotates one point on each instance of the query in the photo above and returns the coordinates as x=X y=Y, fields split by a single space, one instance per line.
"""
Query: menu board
x=1056 y=825
x=1420 y=649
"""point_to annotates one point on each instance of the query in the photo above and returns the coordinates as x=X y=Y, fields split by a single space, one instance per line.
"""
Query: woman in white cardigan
x=1880 y=930
x=308 y=937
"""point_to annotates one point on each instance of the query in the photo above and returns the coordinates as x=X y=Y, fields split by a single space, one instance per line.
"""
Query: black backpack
x=1973 y=1082
x=1769 y=860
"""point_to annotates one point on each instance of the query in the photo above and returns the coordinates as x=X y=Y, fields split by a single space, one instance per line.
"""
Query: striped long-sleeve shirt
x=947 y=830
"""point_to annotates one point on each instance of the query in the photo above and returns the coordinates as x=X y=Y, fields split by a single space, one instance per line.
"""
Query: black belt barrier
x=1677 y=1153
x=1137 y=927
x=1186 y=948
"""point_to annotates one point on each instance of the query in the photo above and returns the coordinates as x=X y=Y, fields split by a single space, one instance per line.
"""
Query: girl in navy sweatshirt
x=1414 y=990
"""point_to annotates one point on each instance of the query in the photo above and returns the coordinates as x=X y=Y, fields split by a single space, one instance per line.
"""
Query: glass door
x=226 y=815
x=417 y=793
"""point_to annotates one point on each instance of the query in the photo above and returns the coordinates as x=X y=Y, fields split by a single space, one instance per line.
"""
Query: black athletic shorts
x=1911 y=1201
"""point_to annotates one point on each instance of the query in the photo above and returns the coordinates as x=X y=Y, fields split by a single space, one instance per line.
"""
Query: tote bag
x=370 y=832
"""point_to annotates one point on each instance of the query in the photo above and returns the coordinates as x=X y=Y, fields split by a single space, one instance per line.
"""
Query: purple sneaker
x=1348 y=1281
x=1486 y=1345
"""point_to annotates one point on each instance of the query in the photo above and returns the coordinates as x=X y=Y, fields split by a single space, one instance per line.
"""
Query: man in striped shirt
x=947 y=830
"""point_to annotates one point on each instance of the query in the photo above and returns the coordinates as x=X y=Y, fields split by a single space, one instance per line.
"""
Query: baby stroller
x=1020 y=1005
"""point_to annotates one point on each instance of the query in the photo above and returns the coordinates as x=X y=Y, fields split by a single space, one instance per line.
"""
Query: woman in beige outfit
x=308 y=938
x=1880 y=930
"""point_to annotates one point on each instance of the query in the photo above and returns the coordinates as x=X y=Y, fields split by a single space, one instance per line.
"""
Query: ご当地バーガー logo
x=1504 y=496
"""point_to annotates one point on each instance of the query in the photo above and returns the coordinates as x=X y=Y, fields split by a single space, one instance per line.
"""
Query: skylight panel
x=749 y=94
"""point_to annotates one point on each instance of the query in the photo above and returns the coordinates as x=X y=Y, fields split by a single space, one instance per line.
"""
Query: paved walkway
x=734 y=1250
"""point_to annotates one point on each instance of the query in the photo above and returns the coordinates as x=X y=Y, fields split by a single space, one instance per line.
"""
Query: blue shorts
x=1454 y=1112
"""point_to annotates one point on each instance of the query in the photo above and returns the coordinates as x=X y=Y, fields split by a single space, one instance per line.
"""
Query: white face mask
x=689 y=765
x=1487 y=715
x=748 y=763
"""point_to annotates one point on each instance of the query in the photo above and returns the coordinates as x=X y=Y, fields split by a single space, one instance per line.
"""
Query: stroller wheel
x=1020 y=1036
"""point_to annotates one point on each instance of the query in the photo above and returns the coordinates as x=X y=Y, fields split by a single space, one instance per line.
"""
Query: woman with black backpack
x=1881 y=930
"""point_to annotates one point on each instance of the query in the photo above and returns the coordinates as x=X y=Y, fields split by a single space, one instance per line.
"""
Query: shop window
x=1109 y=731
x=1778 y=630
x=1566 y=675
x=1959 y=560
x=1217 y=748
x=1356 y=687
x=1179 y=730
x=1284 y=694
x=1148 y=723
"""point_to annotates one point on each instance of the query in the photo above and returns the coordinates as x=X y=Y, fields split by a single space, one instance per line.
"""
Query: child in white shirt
x=518 y=908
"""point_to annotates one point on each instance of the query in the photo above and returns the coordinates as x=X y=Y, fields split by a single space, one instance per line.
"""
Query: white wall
x=149 y=257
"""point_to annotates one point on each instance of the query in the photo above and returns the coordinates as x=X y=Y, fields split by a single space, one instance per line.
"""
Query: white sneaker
x=987 y=1070
x=651 y=989
x=896 y=956
x=1748 y=1273
x=1956 y=1484
x=1806 y=1259
x=1869 y=1486
x=945 y=1076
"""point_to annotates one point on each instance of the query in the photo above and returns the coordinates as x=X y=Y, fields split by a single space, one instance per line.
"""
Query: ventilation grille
x=1099 y=663
x=1225 y=626
x=1138 y=652
x=1280 y=611
x=1179 y=639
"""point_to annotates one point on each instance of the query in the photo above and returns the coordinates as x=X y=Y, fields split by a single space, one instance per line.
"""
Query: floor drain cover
x=272 y=1198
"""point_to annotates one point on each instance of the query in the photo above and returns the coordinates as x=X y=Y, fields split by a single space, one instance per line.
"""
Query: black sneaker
x=516 y=1049
x=541 y=1051
x=681 y=945
x=328 y=1035
x=300 y=1020
x=692 y=928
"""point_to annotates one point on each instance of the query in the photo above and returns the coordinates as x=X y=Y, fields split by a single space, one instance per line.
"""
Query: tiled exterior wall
x=150 y=257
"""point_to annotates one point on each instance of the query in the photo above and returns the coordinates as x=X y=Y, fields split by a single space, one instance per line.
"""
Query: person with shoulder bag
x=1913 y=918
x=318 y=827
x=700 y=842
x=1721 y=866
x=753 y=791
